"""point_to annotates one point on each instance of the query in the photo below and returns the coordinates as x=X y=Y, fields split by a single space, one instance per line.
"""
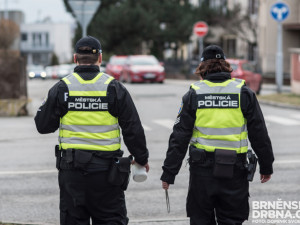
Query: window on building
x=39 y=39
x=252 y=51
x=229 y=47
x=24 y=37
x=47 y=39
x=253 y=7
x=33 y=39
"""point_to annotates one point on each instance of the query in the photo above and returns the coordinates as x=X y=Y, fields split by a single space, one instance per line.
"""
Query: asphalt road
x=28 y=178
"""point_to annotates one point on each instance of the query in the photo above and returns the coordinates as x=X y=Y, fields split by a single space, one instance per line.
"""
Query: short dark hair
x=87 y=58
x=213 y=66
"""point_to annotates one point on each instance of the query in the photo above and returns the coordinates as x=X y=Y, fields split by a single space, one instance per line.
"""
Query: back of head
x=88 y=50
x=212 y=61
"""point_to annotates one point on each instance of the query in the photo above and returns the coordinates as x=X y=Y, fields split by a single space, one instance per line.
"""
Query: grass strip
x=291 y=99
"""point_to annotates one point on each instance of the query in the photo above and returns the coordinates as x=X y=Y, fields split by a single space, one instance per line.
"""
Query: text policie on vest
x=87 y=103
x=218 y=101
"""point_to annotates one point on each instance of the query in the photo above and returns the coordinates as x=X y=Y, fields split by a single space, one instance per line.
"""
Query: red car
x=245 y=70
x=115 y=65
x=142 y=68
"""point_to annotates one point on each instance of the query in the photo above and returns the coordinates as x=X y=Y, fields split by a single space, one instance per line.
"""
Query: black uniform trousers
x=88 y=196
x=213 y=199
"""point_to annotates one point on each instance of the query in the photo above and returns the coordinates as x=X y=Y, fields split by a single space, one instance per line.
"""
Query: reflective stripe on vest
x=219 y=123
x=88 y=125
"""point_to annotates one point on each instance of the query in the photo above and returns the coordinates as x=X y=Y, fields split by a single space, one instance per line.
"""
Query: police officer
x=88 y=107
x=217 y=115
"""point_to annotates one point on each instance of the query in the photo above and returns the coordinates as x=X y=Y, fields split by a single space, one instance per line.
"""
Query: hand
x=265 y=178
x=165 y=185
x=147 y=167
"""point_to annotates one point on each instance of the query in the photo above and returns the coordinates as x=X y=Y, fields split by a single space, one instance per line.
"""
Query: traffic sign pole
x=279 y=59
x=279 y=12
x=200 y=47
x=200 y=29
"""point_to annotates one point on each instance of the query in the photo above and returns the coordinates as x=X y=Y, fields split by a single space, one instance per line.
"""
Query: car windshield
x=234 y=66
x=118 y=60
x=143 y=61
x=35 y=69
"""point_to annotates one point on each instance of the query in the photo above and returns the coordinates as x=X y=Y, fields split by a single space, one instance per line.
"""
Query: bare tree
x=9 y=31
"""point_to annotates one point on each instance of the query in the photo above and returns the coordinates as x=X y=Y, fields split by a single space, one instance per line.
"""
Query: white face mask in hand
x=139 y=173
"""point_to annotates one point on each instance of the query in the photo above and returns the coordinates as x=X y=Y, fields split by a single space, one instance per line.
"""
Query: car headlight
x=43 y=74
x=31 y=74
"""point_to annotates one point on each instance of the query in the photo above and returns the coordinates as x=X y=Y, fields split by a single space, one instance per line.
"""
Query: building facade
x=39 y=41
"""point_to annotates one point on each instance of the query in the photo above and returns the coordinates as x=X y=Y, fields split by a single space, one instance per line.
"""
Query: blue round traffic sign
x=280 y=11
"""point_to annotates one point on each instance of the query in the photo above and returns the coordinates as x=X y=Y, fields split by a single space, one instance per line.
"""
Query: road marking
x=27 y=172
x=296 y=116
x=165 y=123
x=281 y=120
x=146 y=127
x=286 y=161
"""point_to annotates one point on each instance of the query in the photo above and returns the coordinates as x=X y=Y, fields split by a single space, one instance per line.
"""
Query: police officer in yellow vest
x=217 y=116
x=89 y=107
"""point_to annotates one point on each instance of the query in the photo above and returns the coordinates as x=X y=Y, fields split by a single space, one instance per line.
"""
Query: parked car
x=245 y=70
x=36 y=71
x=51 y=72
x=115 y=65
x=64 y=70
x=142 y=68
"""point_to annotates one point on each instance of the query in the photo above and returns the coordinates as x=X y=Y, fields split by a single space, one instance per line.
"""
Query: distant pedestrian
x=88 y=107
x=216 y=117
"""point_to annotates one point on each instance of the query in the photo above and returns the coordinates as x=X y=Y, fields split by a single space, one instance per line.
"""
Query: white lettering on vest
x=218 y=103
x=66 y=96
x=87 y=106
x=71 y=105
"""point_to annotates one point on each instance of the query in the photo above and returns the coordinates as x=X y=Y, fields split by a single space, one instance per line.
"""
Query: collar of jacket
x=218 y=77
x=86 y=68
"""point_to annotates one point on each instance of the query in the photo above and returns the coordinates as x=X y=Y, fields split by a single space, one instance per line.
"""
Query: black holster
x=196 y=155
x=224 y=163
x=58 y=156
x=120 y=172
x=251 y=165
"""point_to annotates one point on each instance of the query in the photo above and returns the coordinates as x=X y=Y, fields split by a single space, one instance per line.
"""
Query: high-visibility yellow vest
x=220 y=123
x=88 y=125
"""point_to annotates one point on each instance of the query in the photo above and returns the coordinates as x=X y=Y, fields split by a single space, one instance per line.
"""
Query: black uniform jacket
x=120 y=105
x=183 y=130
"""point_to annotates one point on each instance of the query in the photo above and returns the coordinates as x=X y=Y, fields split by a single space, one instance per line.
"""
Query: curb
x=279 y=105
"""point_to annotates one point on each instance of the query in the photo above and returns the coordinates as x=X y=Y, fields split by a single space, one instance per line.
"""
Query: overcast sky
x=39 y=9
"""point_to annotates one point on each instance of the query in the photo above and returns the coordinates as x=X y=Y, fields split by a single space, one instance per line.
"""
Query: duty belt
x=82 y=159
x=202 y=157
x=240 y=157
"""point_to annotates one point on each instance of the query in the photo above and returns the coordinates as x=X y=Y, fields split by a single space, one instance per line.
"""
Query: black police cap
x=212 y=52
x=88 y=41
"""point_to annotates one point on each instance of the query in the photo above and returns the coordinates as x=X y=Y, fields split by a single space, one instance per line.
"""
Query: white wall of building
x=59 y=40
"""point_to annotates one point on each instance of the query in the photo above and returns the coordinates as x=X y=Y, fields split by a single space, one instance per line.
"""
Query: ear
x=75 y=58
x=100 y=58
